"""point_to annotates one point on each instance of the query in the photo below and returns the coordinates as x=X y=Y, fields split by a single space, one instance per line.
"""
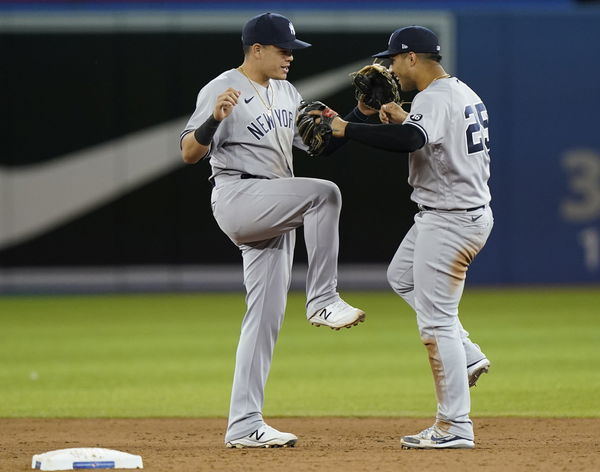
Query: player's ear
x=251 y=50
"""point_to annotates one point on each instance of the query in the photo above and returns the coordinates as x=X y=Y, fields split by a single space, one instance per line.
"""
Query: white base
x=85 y=458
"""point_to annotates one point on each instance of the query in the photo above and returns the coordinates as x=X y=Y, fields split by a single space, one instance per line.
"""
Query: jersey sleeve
x=205 y=104
x=429 y=113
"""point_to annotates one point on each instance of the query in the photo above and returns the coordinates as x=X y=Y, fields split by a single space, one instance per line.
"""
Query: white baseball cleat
x=433 y=438
x=265 y=436
x=337 y=315
x=474 y=371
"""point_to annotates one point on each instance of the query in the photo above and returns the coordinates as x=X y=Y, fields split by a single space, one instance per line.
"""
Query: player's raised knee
x=330 y=191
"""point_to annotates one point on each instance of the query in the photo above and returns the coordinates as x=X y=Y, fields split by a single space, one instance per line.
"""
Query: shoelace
x=431 y=431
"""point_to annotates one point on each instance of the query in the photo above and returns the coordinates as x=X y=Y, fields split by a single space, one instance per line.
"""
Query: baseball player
x=446 y=134
x=245 y=122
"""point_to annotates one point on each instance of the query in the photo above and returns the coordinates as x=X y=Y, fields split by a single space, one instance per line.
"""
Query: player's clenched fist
x=225 y=103
x=392 y=113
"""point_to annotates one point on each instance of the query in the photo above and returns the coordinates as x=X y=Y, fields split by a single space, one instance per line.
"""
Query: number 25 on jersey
x=477 y=130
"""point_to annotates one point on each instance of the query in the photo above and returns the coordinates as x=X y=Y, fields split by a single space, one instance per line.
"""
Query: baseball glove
x=375 y=85
x=315 y=130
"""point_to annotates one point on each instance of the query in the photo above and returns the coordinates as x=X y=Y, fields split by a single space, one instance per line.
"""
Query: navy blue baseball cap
x=412 y=38
x=271 y=29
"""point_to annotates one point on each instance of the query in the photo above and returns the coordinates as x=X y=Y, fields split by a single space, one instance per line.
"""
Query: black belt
x=251 y=176
x=242 y=176
x=423 y=207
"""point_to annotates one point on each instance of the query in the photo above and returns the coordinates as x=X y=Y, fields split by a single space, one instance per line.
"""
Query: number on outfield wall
x=583 y=169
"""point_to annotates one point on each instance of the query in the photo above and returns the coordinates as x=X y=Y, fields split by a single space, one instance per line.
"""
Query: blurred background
x=94 y=196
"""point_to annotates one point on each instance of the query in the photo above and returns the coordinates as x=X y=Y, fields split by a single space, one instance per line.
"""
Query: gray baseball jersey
x=252 y=140
x=452 y=169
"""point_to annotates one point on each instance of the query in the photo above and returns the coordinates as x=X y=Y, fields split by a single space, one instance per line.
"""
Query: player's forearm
x=191 y=150
x=194 y=146
x=392 y=137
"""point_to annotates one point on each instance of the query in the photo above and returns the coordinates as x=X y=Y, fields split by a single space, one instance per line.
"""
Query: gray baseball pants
x=260 y=216
x=428 y=271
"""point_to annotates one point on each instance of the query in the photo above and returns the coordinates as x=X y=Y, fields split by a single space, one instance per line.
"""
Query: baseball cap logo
x=292 y=28
x=404 y=46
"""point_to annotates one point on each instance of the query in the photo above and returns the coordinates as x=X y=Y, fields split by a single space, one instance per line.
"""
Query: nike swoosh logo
x=248 y=100
x=35 y=196
x=475 y=218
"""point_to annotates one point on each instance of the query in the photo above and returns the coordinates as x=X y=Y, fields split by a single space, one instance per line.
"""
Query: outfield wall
x=90 y=174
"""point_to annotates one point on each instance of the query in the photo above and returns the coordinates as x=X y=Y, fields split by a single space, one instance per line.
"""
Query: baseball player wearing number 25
x=245 y=122
x=446 y=134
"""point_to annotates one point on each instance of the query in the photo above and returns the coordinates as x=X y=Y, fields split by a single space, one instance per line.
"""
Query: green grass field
x=173 y=355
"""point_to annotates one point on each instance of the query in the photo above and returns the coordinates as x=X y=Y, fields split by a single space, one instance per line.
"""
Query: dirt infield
x=325 y=444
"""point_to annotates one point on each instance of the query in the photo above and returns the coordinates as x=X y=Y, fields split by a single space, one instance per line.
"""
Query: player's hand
x=365 y=109
x=392 y=113
x=225 y=103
